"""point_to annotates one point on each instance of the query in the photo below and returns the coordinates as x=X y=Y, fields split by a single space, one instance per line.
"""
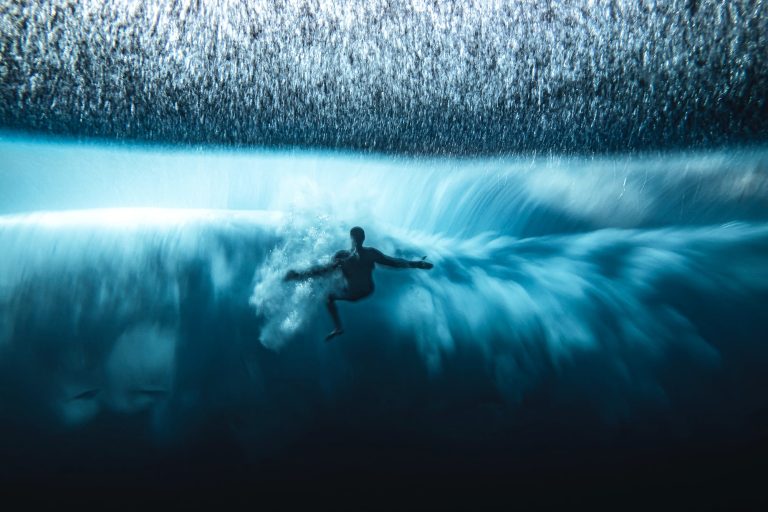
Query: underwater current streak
x=453 y=78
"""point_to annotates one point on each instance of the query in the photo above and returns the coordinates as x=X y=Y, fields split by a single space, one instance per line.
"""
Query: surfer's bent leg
x=330 y=303
x=334 y=312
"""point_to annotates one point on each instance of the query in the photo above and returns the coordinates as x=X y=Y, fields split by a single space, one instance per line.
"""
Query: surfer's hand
x=292 y=275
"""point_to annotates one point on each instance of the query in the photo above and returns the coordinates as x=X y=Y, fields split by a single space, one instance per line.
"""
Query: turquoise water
x=595 y=304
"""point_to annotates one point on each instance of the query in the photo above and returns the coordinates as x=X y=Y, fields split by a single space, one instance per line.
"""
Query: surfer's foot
x=334 y=333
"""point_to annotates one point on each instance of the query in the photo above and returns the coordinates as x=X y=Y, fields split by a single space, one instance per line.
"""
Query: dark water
x=590 y=180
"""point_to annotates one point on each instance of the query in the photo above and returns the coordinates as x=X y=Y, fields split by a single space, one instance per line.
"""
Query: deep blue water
x=589 y=322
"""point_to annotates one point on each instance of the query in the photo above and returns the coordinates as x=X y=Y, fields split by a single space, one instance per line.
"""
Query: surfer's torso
x=357 y=268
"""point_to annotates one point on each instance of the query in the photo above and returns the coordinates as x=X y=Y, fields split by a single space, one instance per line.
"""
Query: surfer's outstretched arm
x=319 y=270
x=389 y=261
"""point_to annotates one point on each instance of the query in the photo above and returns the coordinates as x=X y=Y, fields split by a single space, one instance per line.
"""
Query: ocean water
x=579 y=309
x=589 y=179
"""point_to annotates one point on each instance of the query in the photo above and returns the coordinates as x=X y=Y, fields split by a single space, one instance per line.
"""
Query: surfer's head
x=357 y=235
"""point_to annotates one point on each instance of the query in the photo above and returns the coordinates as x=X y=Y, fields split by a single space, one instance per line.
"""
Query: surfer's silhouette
x=357 y=268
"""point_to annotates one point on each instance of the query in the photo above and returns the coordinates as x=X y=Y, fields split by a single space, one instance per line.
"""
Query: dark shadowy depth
x=582 y=368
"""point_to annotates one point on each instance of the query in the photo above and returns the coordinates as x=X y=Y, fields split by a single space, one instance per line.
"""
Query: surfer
x=357 y=268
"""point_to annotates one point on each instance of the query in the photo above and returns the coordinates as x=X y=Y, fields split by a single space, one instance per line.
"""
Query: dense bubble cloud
x=457 y=78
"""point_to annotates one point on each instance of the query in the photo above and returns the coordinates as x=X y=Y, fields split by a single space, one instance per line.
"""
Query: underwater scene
x=385 y=254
